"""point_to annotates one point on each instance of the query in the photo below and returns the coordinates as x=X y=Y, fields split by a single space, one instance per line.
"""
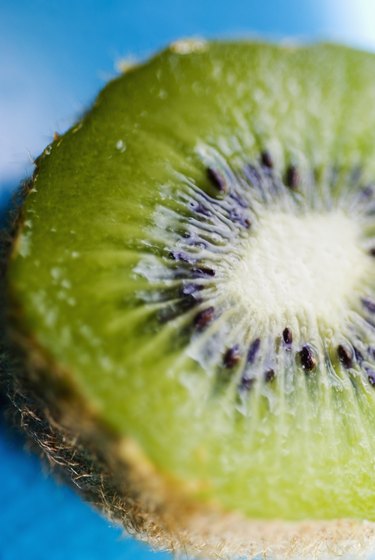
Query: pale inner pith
x=293 y=265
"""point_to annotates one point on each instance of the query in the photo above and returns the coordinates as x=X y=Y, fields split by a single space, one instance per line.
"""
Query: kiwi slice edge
x=180 y=517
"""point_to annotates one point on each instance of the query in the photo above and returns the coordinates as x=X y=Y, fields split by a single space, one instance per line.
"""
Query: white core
x=307 y=265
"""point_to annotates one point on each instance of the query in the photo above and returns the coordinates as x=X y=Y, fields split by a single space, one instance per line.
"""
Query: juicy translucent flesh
x=106 y=210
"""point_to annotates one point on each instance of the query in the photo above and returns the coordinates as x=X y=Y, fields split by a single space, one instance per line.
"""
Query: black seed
x=239 y=218
x=372 y=252
x=189 y=289
x=182 y=257
x=308 y=360
x=253 y=350
x=371 y=377
x=232 y=357
x=217 y=180
x=266 y=160
x=269 y=375
x=202 y=271
x=287 y=335
x=246 y=383
x=369 y=304
x=345 y=355
x=292 y=177
x=204 y=318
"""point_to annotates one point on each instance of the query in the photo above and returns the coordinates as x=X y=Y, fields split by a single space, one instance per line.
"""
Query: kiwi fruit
x=188 y=301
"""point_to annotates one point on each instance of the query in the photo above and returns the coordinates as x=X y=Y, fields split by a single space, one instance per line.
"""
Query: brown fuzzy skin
x=115 y=476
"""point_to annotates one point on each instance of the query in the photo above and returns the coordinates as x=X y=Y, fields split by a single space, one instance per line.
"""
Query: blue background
x=54 y=57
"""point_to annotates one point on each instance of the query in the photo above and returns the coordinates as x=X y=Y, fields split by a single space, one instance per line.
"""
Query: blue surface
x=42 y=520
x=54 y=56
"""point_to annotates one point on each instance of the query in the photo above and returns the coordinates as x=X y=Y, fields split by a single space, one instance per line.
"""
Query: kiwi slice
x=189 y=301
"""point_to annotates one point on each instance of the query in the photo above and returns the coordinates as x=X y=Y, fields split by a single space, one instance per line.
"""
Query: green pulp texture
x=90 y=220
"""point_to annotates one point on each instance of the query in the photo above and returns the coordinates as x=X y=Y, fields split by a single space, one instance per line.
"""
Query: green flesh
x=93 y=266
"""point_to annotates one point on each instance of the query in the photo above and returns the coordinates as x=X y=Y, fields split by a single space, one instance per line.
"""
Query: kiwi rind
x=44 y=412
